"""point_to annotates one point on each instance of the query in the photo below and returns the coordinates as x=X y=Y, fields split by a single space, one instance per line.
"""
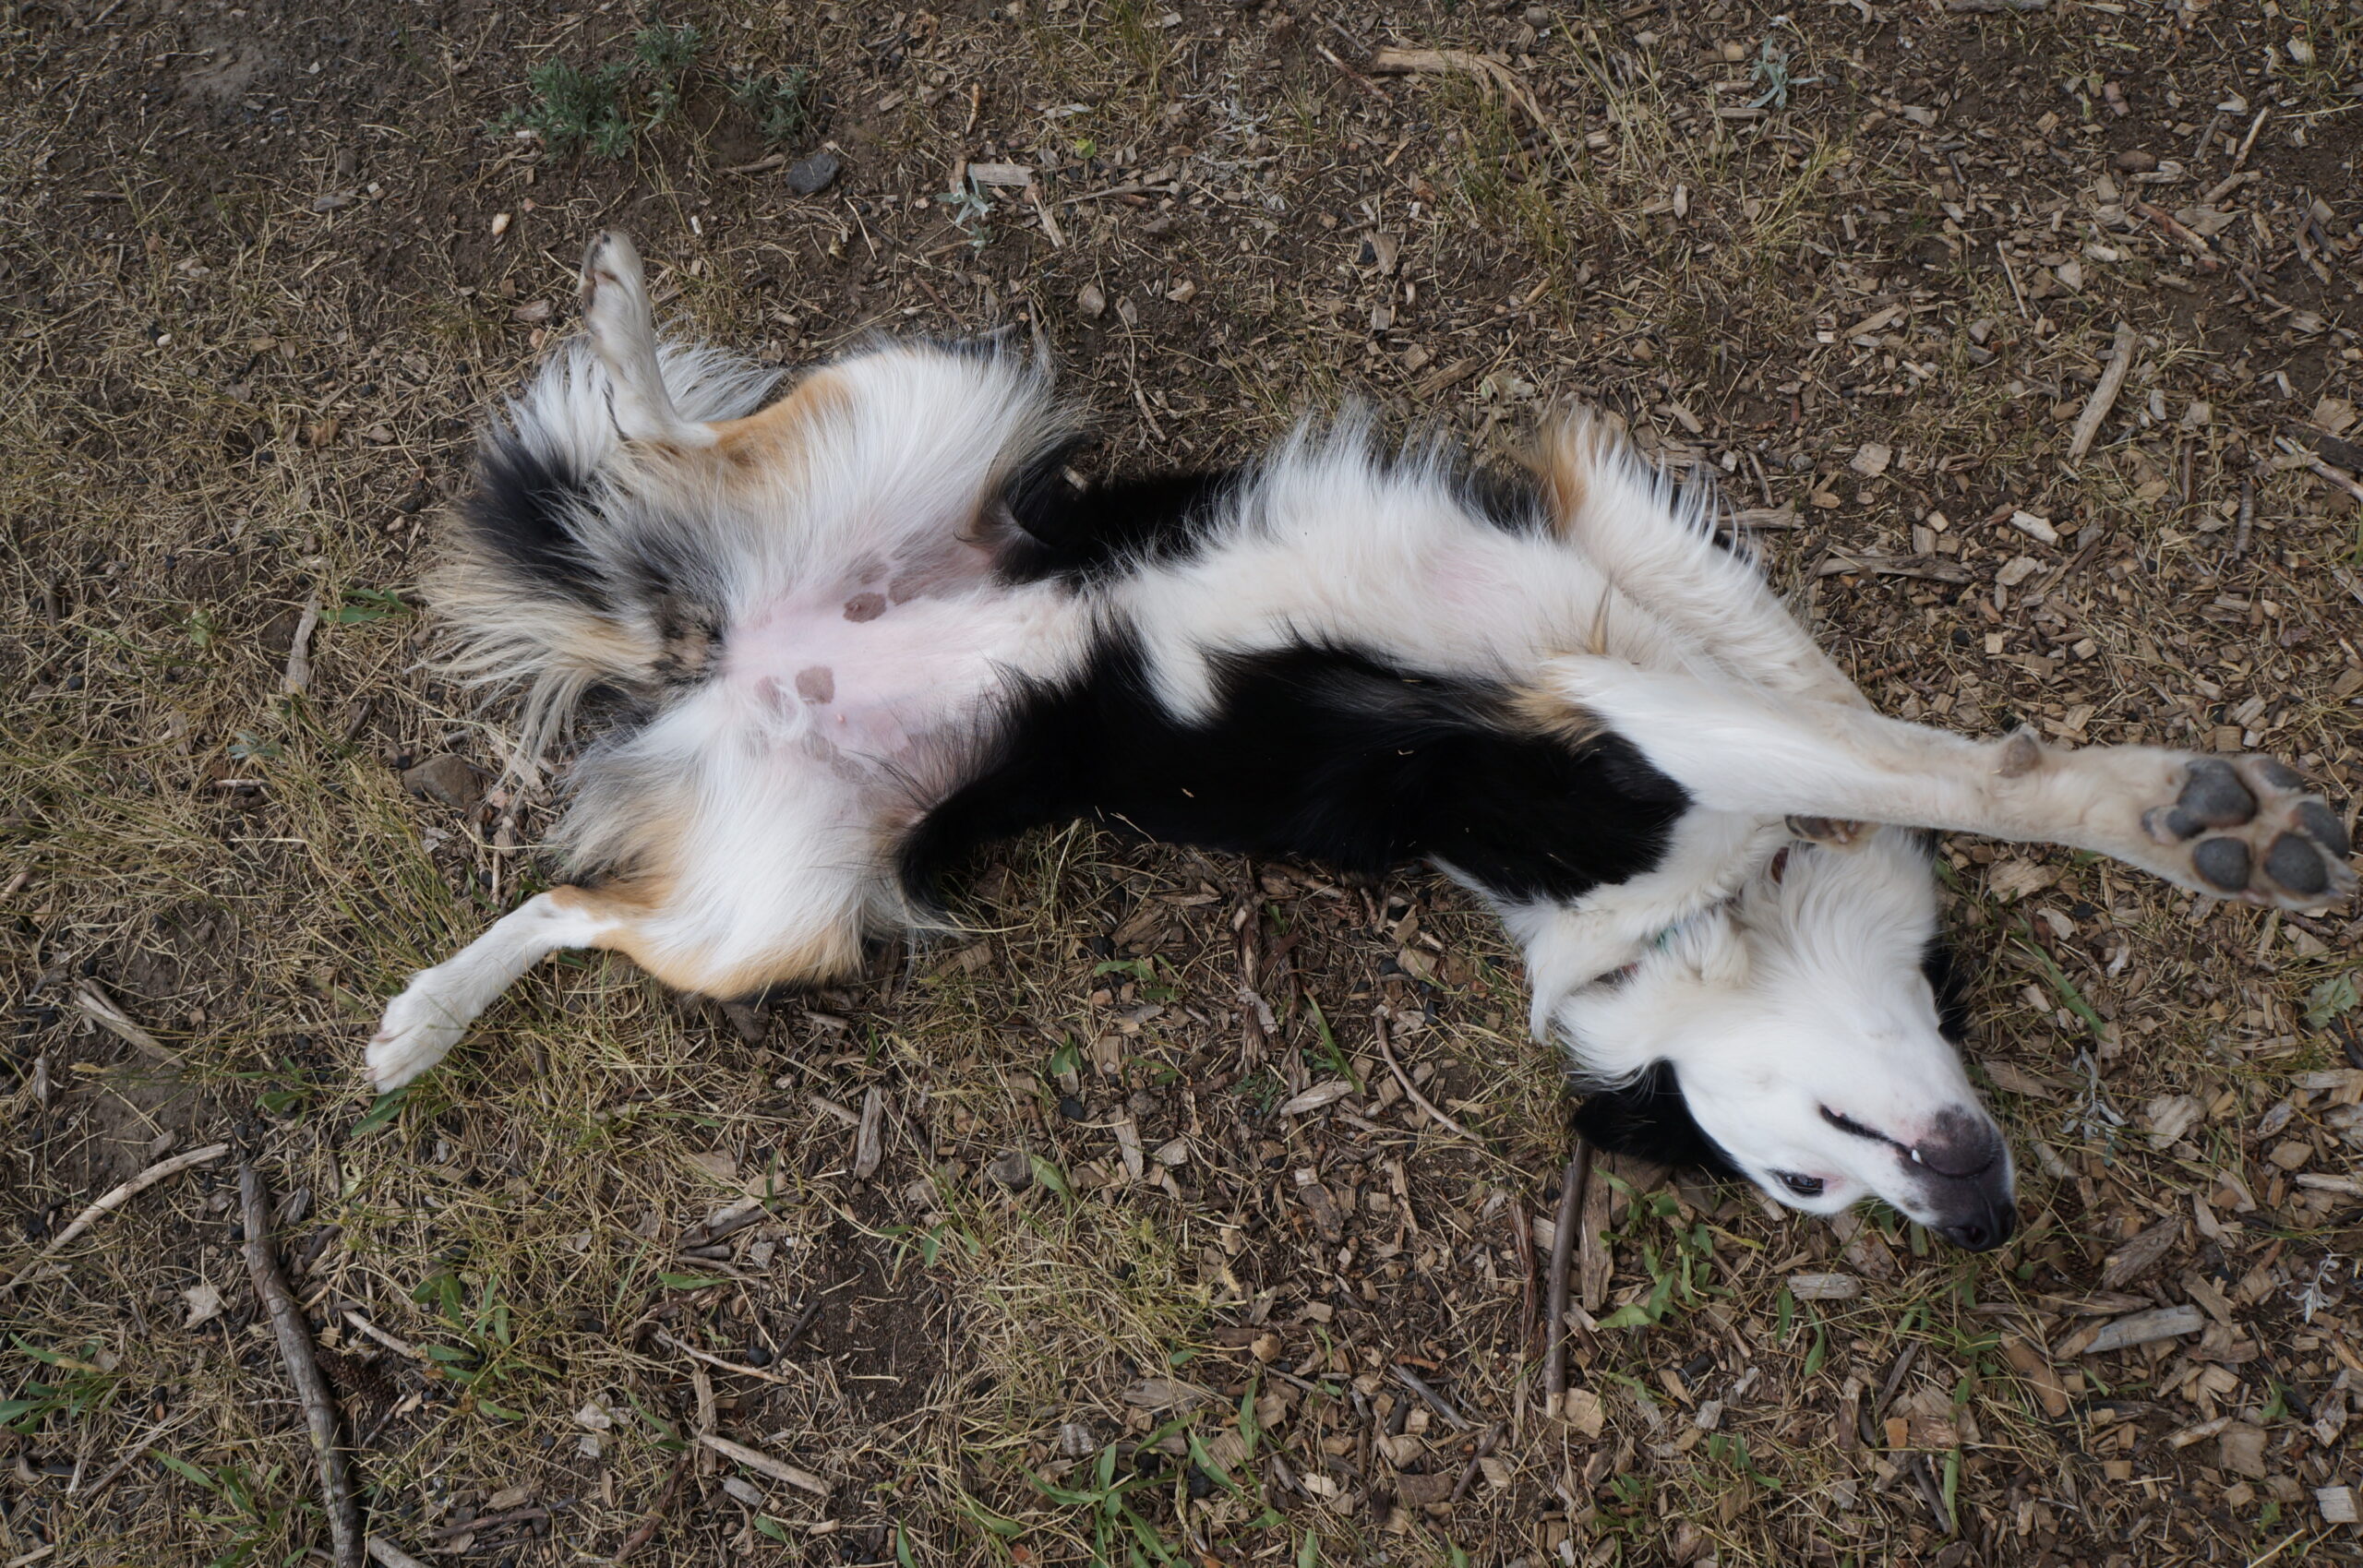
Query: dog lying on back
x=868 y=627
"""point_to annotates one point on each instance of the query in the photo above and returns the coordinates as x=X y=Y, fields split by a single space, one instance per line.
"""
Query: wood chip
x=2140 y=1254
x=867 y=1146
x=1825 y=1286
x=2030 y=1363
x=1006 y=176
x=2141 y=1328
x=2035 y=528
x=1322 y=1094
x=2336 y=1504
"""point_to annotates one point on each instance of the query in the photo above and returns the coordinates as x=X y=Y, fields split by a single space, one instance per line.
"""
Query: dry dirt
x=1102 y=1295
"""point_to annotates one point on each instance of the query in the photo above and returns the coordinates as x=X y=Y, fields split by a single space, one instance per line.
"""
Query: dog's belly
x=856 y=671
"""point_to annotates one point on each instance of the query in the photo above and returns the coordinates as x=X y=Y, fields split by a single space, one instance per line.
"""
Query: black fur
x=1322 y=753
x=1083 y=535
x=1948 y=977
x=1649 y=1118
x=518 y=514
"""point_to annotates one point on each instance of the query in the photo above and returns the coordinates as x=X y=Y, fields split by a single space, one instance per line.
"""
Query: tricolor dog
x=866 y=624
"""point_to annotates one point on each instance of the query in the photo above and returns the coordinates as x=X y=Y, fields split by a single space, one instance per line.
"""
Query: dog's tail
x=550 y=578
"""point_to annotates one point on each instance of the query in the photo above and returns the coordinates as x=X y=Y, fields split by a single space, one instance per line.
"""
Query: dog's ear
x=1649 y=1118
x=1949 y=976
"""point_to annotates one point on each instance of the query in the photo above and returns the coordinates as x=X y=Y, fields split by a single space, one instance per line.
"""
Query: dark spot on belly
x=865 y=606
x=818 y=684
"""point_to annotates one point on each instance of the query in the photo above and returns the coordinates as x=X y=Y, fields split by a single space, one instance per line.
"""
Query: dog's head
x=1805 y=1038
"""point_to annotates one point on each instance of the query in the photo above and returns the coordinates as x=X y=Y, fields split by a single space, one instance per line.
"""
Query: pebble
x=453 y=780
x=810 y=176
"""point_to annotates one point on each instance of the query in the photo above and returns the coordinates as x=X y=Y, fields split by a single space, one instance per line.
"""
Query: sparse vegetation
x=782 y=104
x=603 y=107
x=257 y=310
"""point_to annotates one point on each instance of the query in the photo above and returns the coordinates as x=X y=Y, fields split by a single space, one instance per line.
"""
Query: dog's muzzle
x=1964 y=1173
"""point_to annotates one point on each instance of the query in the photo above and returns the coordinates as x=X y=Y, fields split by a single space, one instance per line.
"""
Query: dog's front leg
x=2243 y=827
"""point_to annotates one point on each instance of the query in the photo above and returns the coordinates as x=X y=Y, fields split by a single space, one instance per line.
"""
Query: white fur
x=1803 y=995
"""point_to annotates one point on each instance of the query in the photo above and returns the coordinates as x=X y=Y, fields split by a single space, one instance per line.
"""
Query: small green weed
x=76 y=1385
x=781 y=104
x=603 y=107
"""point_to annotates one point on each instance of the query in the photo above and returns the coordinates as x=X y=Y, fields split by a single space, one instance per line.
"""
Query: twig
x=736 y=1369
x=2189 y=238
x=1460 y=62
x=645 y=1531
x=97 y=1006
x=1378 y=1028
x=1434 y=1400
x=131 y=1455
x=531 y=1513
x=115 y=1200
x=2331 y=472
x=1995 y=7
x=1477 y=1460
x=1522 y=1239
x=302 y=1368
x=2247 y=141
x=2104 y=398
x=2024 y=314
x=763 y=1464
x=299 y=651
x=389 y=1555
x=1354 y=76
x=394 y=1342
x=1572 y=1185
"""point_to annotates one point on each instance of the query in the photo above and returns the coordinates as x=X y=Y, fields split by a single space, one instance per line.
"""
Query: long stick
x=1563 y=1247
x=115 y=1200
x=302 y=1369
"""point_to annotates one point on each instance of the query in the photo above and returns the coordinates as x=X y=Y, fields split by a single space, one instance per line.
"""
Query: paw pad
x=2223 y=862
x=2296 y=865
x=2254 y=834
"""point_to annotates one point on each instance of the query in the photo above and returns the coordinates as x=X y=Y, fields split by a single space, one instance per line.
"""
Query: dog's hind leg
x=2243 y=827
x=434 y=1011
x=1658 y=546
x=622 y=326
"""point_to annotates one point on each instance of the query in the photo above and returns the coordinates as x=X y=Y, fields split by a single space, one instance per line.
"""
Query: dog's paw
x=418 y=1031
x=2248 y=829
x=615 y=287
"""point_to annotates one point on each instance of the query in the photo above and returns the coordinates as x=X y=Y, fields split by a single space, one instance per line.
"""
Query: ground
x=1104 y=1228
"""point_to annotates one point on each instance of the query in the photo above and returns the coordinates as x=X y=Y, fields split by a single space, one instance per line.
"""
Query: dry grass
x=252 y=309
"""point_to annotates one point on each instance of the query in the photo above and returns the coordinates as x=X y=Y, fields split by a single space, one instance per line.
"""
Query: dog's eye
x=1803 y=1186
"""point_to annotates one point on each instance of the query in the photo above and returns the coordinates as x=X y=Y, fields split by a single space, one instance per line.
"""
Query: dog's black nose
x=1984 y=1230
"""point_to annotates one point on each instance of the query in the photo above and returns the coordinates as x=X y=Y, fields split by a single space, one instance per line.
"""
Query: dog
x=873 y=623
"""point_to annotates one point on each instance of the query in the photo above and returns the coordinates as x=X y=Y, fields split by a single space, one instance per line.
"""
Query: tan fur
x=773 y=437
x=1568 y=451
x=1539 y=710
